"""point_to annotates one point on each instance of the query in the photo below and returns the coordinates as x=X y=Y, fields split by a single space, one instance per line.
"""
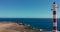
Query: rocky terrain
x=15 y=27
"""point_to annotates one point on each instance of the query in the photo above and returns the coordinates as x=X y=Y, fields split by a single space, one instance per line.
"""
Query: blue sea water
x=38 y=23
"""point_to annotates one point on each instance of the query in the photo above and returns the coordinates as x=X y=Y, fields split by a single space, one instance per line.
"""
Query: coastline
x=15 y=27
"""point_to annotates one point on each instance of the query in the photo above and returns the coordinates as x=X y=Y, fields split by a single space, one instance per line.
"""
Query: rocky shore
x=15 y=27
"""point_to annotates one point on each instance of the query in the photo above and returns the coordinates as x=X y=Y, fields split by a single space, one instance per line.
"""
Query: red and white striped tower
x=54 y=17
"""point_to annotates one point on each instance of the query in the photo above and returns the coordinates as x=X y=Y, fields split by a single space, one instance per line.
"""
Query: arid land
x=15 y=27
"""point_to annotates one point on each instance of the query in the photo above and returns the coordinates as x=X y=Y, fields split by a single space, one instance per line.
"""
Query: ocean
x=37 y=23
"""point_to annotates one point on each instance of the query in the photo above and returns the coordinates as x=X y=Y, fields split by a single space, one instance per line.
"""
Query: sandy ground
x=14 y=27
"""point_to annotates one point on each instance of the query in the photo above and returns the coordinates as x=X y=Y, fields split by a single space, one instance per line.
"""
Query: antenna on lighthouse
x=54 y=2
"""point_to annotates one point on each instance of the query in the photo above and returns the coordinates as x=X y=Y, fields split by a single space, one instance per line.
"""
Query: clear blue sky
x=27 y=8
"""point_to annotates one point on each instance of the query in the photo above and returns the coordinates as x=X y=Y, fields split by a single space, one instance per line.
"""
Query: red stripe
x=54 y=19
x=54 y=28
x=54 y=12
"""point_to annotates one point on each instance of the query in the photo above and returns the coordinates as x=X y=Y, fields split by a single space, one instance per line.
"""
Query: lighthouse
x=54 y=17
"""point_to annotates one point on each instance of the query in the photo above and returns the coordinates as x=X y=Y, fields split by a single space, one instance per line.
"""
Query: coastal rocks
x=15 y=27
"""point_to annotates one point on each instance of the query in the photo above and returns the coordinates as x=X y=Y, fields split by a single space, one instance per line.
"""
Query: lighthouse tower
x=54 y=17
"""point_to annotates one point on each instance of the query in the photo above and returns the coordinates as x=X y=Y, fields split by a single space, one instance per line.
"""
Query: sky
x=27 y=8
